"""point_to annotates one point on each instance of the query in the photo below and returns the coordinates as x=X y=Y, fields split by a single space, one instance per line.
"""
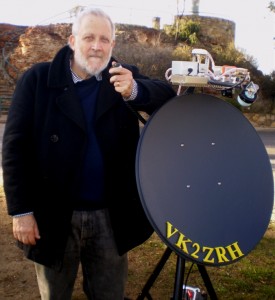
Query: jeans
x=92 y=244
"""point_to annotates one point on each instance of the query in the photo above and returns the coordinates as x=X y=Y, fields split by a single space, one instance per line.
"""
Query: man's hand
x=122 y=79
x=25 y=229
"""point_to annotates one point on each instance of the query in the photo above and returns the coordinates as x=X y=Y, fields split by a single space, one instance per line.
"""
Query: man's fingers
x=25 y=229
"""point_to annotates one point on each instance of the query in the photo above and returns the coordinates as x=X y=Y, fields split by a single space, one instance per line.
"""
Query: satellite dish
x=204 y=179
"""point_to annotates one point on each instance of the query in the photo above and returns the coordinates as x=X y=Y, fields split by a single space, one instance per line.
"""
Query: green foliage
x=267 y=84
x=155 y=60
x=182 y=52
x=251 y=278
x=232 y=56
x=185 y=31
x=151 y=60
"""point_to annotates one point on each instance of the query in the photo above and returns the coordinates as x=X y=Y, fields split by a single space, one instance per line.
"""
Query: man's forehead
x=93 y=25
x=96 y=21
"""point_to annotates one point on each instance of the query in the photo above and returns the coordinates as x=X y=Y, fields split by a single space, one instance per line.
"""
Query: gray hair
x=93 y=12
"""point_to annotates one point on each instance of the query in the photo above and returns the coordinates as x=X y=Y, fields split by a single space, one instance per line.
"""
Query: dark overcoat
x=44 y=144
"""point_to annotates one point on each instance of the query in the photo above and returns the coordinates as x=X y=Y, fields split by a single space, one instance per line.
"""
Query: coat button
x=54 y=138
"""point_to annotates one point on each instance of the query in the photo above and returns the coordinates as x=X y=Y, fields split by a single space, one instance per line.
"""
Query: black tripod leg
x=207 y=282
x=189 y=90
x=179 y=278
x=154 y=275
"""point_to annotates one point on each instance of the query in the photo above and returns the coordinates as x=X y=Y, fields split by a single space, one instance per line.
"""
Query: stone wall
x=36 y=44
x=214 y=31
x=23 y=46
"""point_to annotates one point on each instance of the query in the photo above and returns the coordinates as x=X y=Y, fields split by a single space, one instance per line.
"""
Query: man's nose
x=96 y=45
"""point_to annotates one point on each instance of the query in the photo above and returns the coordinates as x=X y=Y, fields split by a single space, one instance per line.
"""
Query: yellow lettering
x=218 y=254
x=220 y=251
x=181 y=243
x=197 y=246
x=207 y=256
x=169 y=232
x=234 y=251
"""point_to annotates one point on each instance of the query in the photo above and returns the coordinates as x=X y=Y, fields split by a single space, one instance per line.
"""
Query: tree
x=271 y=6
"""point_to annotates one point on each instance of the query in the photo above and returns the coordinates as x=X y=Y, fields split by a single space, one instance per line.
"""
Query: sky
x=255 y=24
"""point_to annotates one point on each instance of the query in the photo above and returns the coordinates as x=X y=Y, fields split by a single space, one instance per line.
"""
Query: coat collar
x=107 y=96
x=60 y=65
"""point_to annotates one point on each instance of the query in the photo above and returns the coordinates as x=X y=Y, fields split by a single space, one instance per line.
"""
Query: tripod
x=179 y=279
x=180 y=267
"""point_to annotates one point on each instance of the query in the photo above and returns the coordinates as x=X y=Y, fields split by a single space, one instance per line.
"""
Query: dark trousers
x=92 y=245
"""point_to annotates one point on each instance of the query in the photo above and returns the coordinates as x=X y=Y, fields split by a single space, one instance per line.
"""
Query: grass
x=252 y=277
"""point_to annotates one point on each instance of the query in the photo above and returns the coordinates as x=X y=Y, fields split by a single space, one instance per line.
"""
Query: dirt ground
x=17 y=276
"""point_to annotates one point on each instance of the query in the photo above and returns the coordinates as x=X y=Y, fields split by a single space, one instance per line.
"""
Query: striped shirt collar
x=76 y=78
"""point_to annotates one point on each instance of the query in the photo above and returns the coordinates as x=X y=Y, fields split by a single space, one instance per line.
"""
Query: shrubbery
x=155 y=60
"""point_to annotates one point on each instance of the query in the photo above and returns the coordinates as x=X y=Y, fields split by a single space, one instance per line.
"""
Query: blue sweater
x=91 y=192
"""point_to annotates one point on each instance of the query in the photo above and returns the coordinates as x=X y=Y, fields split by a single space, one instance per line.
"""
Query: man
x=69 y=162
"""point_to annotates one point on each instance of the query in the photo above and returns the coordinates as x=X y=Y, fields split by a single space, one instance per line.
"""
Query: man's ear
x=113 y=43
x=71 y=41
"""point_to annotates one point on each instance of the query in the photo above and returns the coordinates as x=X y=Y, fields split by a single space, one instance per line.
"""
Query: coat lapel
x=71 y=107
x=68 y=101
x=107 y=97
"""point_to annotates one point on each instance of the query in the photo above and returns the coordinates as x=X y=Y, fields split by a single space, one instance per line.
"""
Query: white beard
x=90 y=69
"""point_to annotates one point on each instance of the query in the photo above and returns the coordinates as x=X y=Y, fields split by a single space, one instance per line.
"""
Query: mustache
x=95 y=56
